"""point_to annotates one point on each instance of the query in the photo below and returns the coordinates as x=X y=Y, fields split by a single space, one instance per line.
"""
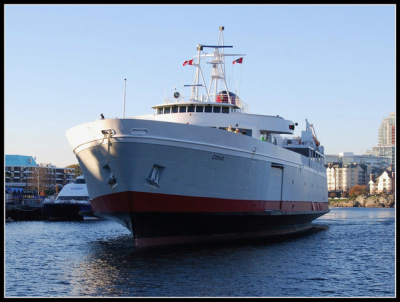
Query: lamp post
x=26 y=179
x=38 y=173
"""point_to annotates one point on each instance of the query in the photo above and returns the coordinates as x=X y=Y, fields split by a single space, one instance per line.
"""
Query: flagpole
x=123 y=112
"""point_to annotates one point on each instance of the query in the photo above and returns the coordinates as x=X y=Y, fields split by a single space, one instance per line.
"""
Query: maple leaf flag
x=240 y=60
x=189 y=62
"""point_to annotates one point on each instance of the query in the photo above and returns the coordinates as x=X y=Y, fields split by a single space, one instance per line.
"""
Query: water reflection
x=116 y=268
x=348 y=252
x=98 y=272
x=354 y=214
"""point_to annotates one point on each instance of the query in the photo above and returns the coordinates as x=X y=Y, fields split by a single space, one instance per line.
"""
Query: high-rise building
x=386 y=140
x=387 y=131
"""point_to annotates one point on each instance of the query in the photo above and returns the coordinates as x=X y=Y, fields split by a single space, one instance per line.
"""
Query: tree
x=41 y=179
x=357 y=190
x=78 y=170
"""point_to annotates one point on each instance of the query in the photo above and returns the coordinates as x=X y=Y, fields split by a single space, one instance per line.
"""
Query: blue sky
x=66 y=64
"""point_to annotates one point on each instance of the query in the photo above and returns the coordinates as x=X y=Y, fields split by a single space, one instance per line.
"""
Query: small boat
x=72 y=203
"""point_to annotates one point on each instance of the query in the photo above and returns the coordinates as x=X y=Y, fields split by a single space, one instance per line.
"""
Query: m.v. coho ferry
x=202 y=167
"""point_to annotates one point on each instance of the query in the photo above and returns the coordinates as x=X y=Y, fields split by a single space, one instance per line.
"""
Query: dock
x=28 y=209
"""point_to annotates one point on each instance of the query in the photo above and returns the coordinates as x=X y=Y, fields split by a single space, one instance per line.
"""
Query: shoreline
x=384 y=201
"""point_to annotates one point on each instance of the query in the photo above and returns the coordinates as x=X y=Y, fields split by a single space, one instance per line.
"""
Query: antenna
x=123 y=112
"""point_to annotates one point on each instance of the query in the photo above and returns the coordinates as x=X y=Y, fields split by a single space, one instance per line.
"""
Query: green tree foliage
x=78 y=170
x=357 y=190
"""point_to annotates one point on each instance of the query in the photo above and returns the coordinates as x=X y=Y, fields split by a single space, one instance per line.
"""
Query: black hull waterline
x=153 y=229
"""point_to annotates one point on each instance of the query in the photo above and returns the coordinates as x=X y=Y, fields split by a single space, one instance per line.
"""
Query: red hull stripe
x=152 y=202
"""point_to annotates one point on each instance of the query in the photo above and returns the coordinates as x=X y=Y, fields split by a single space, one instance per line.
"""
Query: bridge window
x=175 y=109
x=199 y=108
x=225 y=109
x=191 y=108
x=182 y=109
x=217 y=109
x=208 y=109
x=167 y=110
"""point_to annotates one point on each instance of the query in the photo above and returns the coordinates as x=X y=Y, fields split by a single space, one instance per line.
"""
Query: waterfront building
x=387 y=131
x=386 y=140
x=24 y=175
x=388 y=152
x=382 y=181
x=349 y=158
x=342 y=177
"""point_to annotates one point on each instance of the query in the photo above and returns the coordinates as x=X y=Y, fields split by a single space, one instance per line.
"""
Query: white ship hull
x=196 y=170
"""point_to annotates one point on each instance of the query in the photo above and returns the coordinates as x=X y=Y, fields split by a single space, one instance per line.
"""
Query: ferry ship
x=201 y=167
x=72 y=203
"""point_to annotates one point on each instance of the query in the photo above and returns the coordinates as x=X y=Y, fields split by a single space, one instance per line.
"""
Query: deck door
x=275 y=183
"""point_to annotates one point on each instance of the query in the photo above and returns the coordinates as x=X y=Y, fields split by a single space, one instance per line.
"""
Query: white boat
x=72 y=203
x=182 y=174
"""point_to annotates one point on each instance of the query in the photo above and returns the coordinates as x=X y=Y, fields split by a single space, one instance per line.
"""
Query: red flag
x=240 y=60
x=189 y=62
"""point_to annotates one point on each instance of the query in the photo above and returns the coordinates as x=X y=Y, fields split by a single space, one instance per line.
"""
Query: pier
x=26 y=209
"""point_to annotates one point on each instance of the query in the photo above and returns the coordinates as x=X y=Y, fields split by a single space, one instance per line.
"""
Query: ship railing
x=33 y=202
x=307 y=161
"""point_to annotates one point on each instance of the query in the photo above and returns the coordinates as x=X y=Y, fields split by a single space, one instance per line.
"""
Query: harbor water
x=350 y=252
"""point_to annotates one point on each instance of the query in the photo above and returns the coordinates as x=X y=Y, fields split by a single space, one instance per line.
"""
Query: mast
x=196 y=81
x=217 y=73
x=218 y=66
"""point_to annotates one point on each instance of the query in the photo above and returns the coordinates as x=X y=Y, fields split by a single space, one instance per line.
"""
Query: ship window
x=247 y=132
x=225 y=109
x=182 y=109
x=167 y=110
x=199 y=108
x=217 y=109
x=174 y=109
x=159 y=111
x=191 y=108
x=208 y=109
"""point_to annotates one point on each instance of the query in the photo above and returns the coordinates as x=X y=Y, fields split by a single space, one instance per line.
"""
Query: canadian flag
x=240 y=60
x=189 y=62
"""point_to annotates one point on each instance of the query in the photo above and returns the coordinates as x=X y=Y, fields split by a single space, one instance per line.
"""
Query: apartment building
x=342 y=177
x=23 y=174
x=387 y=131
x=386 y=140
